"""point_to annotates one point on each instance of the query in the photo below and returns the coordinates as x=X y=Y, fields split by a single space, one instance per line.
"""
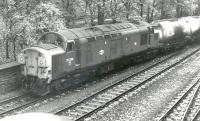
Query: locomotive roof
x=77 y=33
x=46 y=46
x=116 y=27
x=82 y=35
x=100 y=30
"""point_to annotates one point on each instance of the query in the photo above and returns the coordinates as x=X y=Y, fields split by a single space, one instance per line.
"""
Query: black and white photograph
x=99 y=60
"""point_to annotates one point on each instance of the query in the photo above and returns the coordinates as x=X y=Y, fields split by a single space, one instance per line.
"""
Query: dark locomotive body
x=65 y=58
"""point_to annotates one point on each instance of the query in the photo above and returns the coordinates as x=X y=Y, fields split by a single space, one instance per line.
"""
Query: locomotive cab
x=68 y=59
x=47 y=61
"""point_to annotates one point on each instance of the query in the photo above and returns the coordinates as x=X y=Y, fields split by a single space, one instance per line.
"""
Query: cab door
x=70 y=56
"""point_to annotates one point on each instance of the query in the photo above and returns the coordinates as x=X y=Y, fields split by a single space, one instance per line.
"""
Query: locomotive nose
x=37 y=67
x=34 y=63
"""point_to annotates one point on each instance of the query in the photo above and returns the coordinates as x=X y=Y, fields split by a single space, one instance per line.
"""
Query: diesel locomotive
x=68 y=57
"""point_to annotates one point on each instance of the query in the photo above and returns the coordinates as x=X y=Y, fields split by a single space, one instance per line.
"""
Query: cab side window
x=92 y=39
x=70 y=46
x=99 y=38
x=107 y=37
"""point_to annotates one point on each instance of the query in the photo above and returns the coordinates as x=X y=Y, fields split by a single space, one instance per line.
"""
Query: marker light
x=21 y=58
x=41 y=62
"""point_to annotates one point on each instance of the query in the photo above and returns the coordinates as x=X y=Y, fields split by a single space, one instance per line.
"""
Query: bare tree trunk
x=101 y=13
x=68 y=5
x=5 y=34
x=85 y=17
x=148 y=16
x=198 y=9
x=127 y=5
x=178 y=10
x=127 y=16
x=162 y=9
x=91 y=14
x=7 y=51
x=141 y=8
x=14 y=49
x=152 y=11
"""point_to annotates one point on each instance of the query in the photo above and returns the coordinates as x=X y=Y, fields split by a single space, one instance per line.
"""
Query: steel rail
x=68 y=108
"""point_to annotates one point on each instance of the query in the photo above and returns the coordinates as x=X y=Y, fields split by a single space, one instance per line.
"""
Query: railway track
x=196 y=115
x=14 y=104
x=193 y=109
x=101 y=99
x=177 y=109
x=18 y=103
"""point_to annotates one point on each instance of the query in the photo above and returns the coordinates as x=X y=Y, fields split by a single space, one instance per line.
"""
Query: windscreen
x=51 y=38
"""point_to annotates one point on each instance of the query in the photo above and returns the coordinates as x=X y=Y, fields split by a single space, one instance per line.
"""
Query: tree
x=198 y=7
x=163 y=12
x=91 y=5
x=127 y=5
x=24 y=29
x=115 y=8
x=13 y=13
x=11 y=18
x=69 y=11
x=153 y=7
x=141 y=2
x=101 y=12
x=45 y=17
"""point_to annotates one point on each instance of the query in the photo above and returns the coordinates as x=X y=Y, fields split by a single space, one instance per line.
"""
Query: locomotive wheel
x=105 y=69
x=25 y=84
x=40 y=88
x=45 y=90
x=56 y=86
